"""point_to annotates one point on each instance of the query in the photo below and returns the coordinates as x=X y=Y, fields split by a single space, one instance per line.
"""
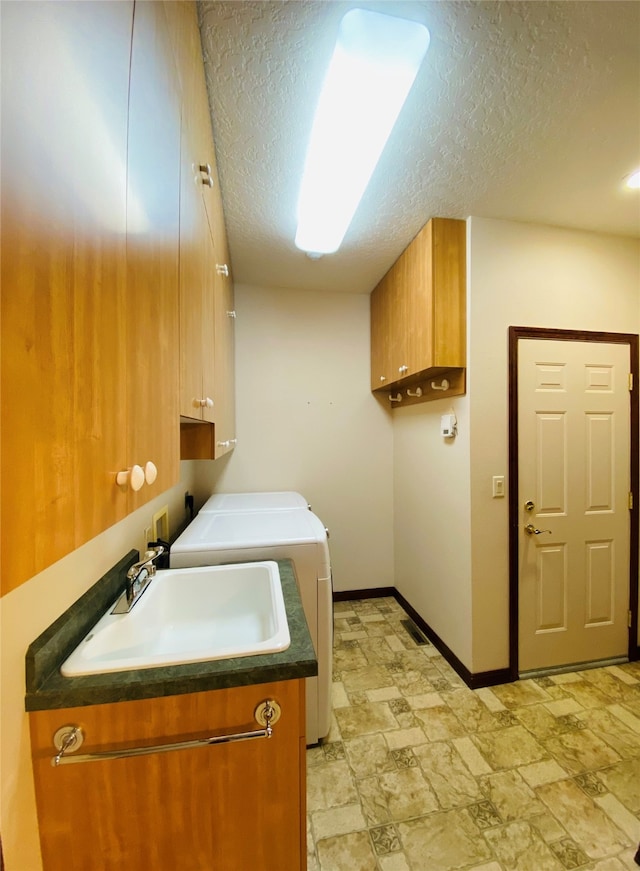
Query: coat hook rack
x=444 y=385
x=396 y=398
x=416 y=392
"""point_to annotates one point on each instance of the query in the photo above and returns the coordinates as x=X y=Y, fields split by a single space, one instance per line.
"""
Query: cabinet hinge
x=629 y=618
x=630 y=500
x=630 y=380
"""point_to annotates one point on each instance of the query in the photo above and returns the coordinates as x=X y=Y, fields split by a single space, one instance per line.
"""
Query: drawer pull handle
x=68 y=739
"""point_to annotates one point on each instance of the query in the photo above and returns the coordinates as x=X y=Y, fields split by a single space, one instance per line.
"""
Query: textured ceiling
x=528 y=111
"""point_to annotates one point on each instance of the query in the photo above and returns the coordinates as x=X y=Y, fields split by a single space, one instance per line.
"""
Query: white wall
x=432 y=519
x=525 y=275
x=306 y=421
x=24 y=614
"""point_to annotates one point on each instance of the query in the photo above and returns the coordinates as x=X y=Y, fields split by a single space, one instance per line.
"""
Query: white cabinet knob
x=208 y=402
x=133 y=476
x=224 y=444
x=222 y=269
x=403 y=369
x=231 y=314
x=150 y=472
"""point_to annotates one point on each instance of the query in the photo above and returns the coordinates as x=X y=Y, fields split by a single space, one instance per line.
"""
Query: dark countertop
x=47 y=688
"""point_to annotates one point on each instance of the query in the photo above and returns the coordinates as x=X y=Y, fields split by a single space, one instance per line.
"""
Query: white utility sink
x=189 y=615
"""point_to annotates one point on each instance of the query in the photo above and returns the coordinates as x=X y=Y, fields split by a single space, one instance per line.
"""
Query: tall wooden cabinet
x=95 y=134
x=65 y=317
x=153 y=224
x=206 y=286
x=418 y=309
x=230 y=807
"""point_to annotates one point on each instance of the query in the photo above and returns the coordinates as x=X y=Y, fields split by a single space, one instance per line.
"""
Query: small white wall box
x=448 y=426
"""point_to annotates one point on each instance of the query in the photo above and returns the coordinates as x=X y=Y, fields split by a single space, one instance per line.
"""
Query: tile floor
x=419 y=773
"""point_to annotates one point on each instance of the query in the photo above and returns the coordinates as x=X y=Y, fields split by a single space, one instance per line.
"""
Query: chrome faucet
x=138 y=578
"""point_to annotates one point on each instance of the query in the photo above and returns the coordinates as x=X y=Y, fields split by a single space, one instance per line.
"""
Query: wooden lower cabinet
x=226 y=807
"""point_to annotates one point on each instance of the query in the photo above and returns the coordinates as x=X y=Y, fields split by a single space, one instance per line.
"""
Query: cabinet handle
x=150 y=472
x=205 y=169
x=231 y=315
x=207 y=402
x=383 y=377
x=222 y=269
x=133 y=476
x=224 y=444
x=68 y=739
x=403 y=369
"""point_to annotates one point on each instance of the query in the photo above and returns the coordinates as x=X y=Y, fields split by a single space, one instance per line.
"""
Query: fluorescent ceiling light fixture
x=374 y=64
x=634 y=179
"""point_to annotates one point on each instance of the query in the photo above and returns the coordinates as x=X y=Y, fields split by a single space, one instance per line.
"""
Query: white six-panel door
x=574 y=482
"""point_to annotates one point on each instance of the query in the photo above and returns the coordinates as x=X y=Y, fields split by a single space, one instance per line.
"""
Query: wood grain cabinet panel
x=206 y=285
x=418 y=308
x=153 y=222
x=228 y=807
x=65 y=80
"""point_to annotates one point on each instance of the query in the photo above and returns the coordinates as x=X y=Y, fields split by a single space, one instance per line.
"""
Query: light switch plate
x=498 y=486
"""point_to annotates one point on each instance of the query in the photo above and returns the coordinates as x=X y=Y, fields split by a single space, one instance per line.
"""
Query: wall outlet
x=160 y=524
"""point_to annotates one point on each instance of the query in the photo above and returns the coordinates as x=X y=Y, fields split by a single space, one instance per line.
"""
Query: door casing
x=631 y=339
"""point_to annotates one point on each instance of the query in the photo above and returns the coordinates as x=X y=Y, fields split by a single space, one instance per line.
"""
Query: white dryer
x=223 y=503
x=295 y=534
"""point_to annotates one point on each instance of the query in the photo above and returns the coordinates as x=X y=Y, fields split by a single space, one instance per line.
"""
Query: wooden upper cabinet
x=206 y=284
x=418 y=308
x=63 y=293
x=224 y=370
x=153 y=222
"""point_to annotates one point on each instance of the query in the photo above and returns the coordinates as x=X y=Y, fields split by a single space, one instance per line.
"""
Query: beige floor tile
x=525 y=692
x=365 y=720
x=440 y=724
x=471 y=756
x=622 y=675
x=587 y=824
x=447 y=773
x=337 y=821
x=623 y=780
x=407 y=793
x=349 y=851
x=369 y=755
x=405 y=738
x=339 y=697
x=587 y=694
x=374 y=804
x=384 y=694
x=626 y=821
x=490 y=699
x=366 y=678
x=330 y=785
x=472 y=713
x=510 y=795
x=519 y=848
x=509 y=748
x=581 y=750
x=394 y=862
x=443 y=841
x=622 y=713
x=547 y=771
x=613 y=731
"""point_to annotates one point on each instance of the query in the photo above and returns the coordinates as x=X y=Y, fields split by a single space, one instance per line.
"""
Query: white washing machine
x=223 y=503
x=295 y=534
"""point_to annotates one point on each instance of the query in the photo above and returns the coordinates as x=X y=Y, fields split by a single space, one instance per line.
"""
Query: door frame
x=630 y=339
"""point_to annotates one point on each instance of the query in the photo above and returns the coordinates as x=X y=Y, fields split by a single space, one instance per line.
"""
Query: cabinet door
x=229 y=807
x=65 y=76
x=417 y=314
x=153 y=204
x=224 y=320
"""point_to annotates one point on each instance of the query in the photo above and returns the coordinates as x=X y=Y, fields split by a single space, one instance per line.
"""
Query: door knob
x=530 y=529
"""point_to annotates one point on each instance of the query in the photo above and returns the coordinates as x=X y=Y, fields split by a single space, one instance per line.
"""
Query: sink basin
x=189 y=615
